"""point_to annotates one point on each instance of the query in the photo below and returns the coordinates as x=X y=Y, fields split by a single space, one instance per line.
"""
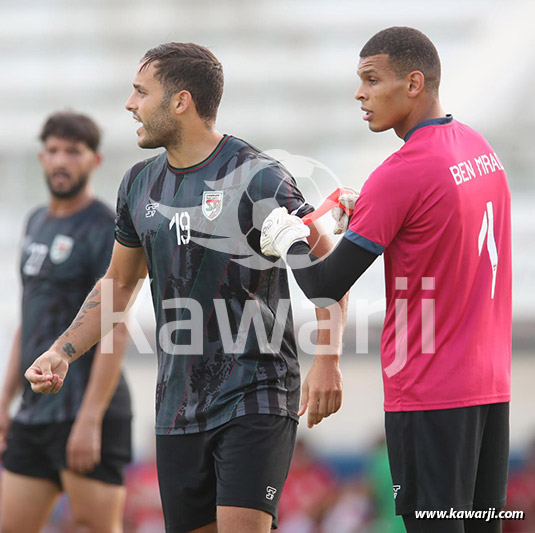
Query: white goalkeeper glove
x=279 y=231
x=341 y=219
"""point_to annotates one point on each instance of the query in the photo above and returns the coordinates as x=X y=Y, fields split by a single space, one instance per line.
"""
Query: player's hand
x=5 y=424
x=322 y=389
x=83 y=445
x=279 y=231
x=348 y=198
x=47 y=373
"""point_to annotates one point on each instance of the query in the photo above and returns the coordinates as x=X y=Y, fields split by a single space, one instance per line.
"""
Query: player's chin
x=140 y=142
x=144 y=142
x=376 y=127
x=59 y=189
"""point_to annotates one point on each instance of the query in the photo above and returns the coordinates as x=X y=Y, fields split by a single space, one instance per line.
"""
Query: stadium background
x=290 y=71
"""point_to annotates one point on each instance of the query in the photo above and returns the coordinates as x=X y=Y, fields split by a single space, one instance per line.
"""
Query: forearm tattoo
x=79 y=320
x=69 y=349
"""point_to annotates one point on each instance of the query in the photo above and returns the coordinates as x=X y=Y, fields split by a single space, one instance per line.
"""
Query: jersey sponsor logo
x=212 y=204
x=396 y=489
x=270 y=492
x=61 y=248
x=150 y=209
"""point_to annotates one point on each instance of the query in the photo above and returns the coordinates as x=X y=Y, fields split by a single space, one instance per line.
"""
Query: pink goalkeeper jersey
x=440 y=210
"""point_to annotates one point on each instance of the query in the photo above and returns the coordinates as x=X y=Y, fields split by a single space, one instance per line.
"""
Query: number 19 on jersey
x=181 y=222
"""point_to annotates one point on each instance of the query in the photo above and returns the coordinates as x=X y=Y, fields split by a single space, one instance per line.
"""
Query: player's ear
x=97 y=160
x=180 y=102
x=415 y=83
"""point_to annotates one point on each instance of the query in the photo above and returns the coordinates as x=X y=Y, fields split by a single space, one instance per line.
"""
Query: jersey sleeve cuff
x=363 y=242
x=128 y=244
x=303 y=210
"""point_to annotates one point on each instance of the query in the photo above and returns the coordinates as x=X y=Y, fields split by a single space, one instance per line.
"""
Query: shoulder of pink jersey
x=393 y=171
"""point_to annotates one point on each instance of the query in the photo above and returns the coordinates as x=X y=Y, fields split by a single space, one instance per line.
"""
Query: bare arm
x=10 y=388
x=127 y=267
x=83 y=446
x=322 y=388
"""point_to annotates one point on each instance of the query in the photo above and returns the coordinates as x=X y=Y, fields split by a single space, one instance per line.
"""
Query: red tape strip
x=329 y=202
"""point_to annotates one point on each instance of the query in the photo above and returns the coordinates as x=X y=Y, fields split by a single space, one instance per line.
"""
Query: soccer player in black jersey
x=79 y=439
x=227 y=398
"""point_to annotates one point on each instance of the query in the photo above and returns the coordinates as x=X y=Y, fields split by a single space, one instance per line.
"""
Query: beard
x=161 y=130
x=65 y=194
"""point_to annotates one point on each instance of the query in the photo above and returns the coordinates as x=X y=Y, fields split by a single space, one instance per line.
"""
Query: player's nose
x=129 y=104
x=59 y=159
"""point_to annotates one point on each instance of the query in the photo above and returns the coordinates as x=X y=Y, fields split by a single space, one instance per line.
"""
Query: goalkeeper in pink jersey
x=439 y=210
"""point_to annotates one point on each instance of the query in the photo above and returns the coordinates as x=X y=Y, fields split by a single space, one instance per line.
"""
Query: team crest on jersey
x=61 y=248
x=212 y=204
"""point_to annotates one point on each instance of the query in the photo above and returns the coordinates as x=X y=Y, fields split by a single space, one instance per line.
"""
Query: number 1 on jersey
x=487 y=230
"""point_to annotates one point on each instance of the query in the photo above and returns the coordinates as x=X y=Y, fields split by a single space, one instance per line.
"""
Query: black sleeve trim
x=126 y=243
x=332 y=277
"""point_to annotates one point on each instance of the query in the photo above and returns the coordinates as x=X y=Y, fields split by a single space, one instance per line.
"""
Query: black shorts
x=40 y=450
x=243 y=463
x=449 y=458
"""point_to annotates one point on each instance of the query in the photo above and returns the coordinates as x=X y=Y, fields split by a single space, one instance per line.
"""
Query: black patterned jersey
x=62 y=258
x=225 y=339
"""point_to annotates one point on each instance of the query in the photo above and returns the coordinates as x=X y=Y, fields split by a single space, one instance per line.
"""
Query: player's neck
x=196 y=145
x=426 y=111
x=65 y=207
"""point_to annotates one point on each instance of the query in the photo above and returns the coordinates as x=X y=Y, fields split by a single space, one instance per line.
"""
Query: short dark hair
x=189 y=67
x=408 y=49
x=72 y=126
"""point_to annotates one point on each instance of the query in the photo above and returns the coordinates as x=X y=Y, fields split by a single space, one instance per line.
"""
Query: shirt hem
x=454 y=404
x=219 y=422
x=68 y=420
